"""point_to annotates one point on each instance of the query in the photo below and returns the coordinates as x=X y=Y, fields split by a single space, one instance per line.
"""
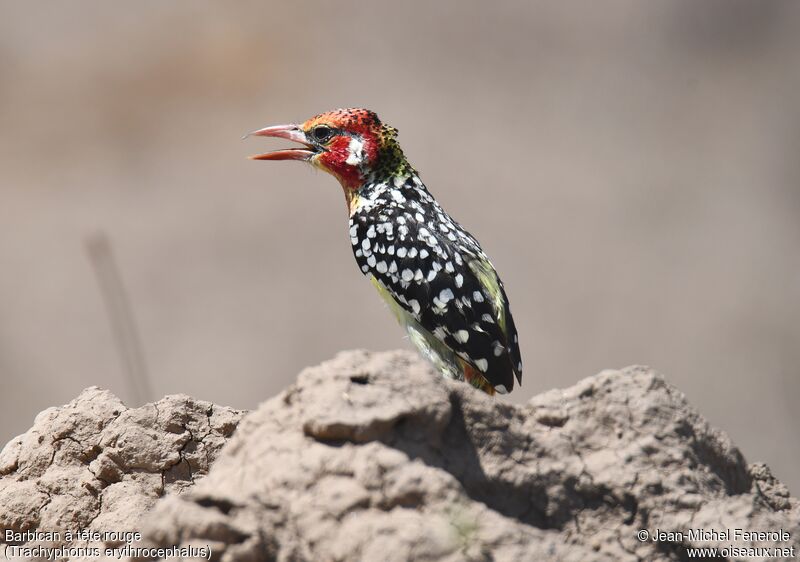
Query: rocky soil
x=371 y=457
x=96 y=465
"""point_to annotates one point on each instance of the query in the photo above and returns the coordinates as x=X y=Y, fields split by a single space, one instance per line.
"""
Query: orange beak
x=290 y=132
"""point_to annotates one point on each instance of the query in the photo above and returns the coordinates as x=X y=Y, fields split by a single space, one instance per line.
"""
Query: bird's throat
x=353 y=199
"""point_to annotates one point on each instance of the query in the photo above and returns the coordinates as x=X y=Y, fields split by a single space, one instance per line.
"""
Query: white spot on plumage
x=365 y=268
x=461 y=336
x=498 y=349
x=391 y=250
x=355 y=151
x=475 y=327
x=401 y=252
x=371 y=261
x=449 y=267
x=477 y=296
x=423 y=253
x=431 y=275
x=371 y=231
x=486 y=317
x=418 y=275
x=482 y=364
x=393 y=267
x=412 y=252
x=459 y=280
x=365 y=243
x=382 y=267
x=501 y=389
x=407 y=275
x=446 y=295
x=359 y=253
x=414 y=304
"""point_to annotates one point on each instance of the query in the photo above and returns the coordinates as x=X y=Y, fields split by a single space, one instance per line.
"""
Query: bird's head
x=351 y=144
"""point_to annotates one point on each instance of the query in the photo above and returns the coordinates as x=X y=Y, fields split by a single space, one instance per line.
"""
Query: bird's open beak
x=291 y=132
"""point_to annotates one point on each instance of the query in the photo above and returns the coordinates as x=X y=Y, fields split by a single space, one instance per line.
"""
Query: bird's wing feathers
x=453 y=291
x=489 y=279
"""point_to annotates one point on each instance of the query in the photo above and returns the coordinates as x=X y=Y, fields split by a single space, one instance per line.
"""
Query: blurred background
x=633 y=170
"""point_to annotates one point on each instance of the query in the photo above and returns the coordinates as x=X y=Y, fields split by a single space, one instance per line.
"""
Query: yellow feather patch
x=485 y=273
x=396 y=309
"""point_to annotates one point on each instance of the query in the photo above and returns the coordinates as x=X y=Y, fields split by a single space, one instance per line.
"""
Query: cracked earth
x=95 y=464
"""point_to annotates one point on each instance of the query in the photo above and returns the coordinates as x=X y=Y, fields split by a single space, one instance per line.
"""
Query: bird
x=432 y=273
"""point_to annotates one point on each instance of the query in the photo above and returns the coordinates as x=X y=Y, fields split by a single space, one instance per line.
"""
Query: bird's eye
x=322 y=133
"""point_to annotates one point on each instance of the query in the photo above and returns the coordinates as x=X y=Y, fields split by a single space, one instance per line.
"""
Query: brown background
x=632 y=170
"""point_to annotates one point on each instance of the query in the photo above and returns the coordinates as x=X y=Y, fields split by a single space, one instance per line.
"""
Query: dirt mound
x=372 y=457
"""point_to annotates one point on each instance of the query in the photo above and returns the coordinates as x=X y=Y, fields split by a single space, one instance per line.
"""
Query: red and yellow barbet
x=434 y=275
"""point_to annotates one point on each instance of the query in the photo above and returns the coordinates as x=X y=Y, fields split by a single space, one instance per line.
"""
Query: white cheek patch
x=356 y=152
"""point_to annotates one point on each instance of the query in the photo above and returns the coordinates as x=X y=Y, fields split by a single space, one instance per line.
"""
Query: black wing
x=437 y=272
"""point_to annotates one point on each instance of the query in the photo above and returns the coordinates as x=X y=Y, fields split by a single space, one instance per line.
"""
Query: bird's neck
x=396 y=189
x=388 y=170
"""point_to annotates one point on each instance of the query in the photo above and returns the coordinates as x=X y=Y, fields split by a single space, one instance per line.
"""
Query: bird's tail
x=475 y=378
